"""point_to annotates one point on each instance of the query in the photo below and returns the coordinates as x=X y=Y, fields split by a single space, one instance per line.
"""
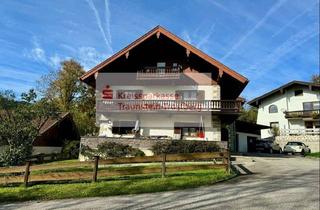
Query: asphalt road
x=271 y=183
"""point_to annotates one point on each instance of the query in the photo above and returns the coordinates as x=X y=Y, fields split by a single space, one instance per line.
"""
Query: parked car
x=296 y=147
x=268 y=146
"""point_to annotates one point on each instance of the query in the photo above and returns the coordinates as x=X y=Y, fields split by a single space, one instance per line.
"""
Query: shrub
x=178 y=146
x=70 y=149
x=111 y=150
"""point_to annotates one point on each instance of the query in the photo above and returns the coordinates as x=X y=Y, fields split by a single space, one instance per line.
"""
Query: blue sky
x=271 y=42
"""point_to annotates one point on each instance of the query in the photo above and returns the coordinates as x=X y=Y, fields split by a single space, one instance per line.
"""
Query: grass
x=315 y=154
x=119 y=186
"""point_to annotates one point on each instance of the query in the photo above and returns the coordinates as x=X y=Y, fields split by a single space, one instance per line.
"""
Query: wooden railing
x=168 y=105
x=158 y=73
x=98 y=168
x=303 y=114
x=299 y=132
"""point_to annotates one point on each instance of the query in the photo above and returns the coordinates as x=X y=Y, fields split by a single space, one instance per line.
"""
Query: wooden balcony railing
x=158 y=73
x=300 y=132
x=303 y=114
x=120 y=105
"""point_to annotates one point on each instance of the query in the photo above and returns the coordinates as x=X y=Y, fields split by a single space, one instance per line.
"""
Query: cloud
x=90 y=57
x=108 y=18
x=306 y=11
x=286 y=47
x=23 y=75
x=234 y=48
x=55 y=60
x=36 y=53
x=205 y=39
x=221 y=7
x=106 y=38
x=185 y=36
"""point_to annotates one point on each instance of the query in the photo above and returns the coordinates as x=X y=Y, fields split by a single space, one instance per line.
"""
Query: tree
x=20 y=123
x=249 y=114
x=64 y=88
x=315 y=79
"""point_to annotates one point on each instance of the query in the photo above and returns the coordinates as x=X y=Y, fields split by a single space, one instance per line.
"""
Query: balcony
x=315 y=114
x=150 y=73
x=120 y=105
x=299 y=132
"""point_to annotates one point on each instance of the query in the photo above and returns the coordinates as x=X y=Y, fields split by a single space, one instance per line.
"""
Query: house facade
x=292 y=111
x=161 y=87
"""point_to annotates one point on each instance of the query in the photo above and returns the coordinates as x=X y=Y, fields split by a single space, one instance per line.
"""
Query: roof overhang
x=256 y=101
x=157 y=31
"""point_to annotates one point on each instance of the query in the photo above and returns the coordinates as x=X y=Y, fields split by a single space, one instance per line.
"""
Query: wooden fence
x=91 y=170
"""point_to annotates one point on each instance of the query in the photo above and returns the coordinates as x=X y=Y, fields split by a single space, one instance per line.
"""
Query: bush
x=15 y=155
x=70 y=149
x=178 y=146
x=111 y=150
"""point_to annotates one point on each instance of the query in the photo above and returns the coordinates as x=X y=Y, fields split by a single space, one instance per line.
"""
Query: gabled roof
x=161 y=31
x=255 y=101
x=49 y=123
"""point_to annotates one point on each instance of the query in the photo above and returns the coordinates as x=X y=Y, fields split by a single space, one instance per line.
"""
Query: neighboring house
x=292 y=111
x=53 y=133
x=200 y=93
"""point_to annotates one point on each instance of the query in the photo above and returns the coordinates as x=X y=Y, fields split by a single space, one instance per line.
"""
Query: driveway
x=282 y=182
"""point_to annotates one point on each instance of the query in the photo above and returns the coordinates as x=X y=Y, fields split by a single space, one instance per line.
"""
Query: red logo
x=107 y=93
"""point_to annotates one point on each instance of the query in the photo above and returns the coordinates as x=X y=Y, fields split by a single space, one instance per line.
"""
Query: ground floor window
x=123 y=127
x=188 y=130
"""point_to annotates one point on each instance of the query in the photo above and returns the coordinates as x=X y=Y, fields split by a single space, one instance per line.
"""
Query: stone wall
x=144 y=145
x=312 y=141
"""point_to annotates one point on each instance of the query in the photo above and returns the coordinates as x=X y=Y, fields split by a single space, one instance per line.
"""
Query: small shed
x=54 y=132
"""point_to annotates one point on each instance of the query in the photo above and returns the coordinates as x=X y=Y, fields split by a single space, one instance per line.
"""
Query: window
x=294 y=143
x=307 y=106
x=123 y=127
x=298 y=93
x=190 y=94
x=316 y=105
x=161 y=64
x=273 y=109
x=187 y=129
x=161 y=67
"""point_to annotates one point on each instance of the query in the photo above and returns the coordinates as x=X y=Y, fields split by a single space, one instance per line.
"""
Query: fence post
x=163 y=166
x=26 y=173
x=95 y=168
x=228 y=161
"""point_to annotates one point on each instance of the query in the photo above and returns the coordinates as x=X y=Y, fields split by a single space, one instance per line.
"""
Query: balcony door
x=161 y=67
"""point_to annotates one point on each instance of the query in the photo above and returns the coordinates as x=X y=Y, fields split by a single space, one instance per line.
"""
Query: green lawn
x=115 y=186
x=315 y=154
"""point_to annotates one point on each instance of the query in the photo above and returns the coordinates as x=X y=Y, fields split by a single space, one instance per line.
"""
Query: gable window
x=298 y=93
x=273 y=109
x=161 y=67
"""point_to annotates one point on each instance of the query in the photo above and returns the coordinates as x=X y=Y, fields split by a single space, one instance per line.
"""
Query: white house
x=293 y=109
x=162 y=87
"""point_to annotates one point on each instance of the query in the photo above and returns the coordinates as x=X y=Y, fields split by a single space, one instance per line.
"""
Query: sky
x=271 y=42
